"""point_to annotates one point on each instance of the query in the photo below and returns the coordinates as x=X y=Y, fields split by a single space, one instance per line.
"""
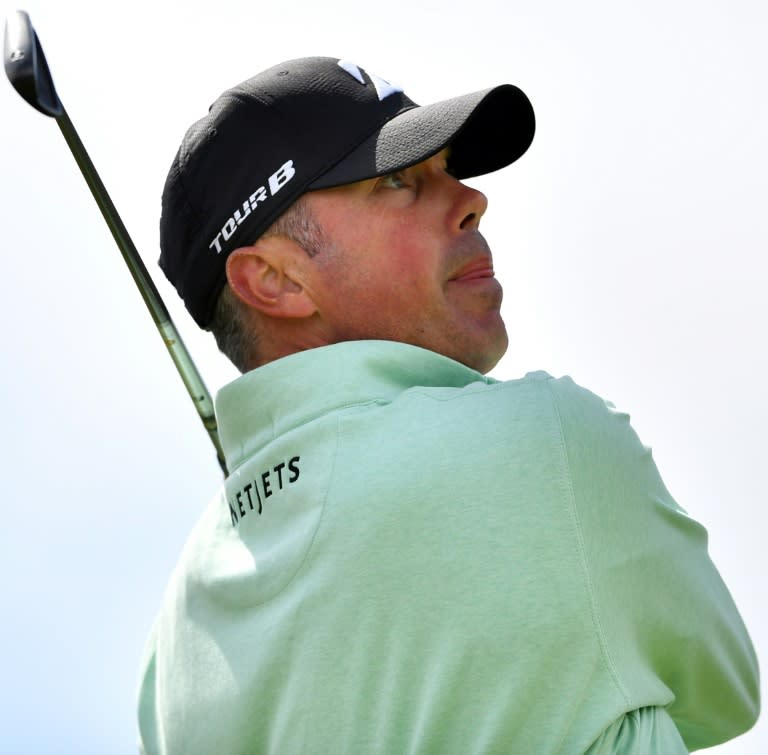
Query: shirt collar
x=265 y=403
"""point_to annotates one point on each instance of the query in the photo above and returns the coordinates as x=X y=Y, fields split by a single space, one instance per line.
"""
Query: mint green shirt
x=410 y=557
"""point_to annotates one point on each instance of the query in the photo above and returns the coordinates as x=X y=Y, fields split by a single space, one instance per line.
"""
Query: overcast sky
x=631 y=241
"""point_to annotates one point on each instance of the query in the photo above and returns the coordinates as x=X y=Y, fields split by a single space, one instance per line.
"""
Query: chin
x=495 y=348
x=485 y=365
x=483 y=361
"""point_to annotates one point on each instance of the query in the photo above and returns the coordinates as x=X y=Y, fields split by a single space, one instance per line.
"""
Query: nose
x=469 y=206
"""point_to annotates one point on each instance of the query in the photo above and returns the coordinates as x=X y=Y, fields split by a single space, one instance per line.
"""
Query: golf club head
x=26 y=67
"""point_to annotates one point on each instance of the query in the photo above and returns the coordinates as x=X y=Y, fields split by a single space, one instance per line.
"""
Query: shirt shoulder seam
x=585 y=562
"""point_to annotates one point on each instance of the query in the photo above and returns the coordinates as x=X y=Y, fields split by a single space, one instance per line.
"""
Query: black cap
x=308 y=124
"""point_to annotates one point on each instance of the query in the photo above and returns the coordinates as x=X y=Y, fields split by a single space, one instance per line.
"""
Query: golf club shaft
x=176 y=348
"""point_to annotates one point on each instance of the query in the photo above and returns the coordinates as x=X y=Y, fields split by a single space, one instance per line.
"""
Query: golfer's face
x=409 y=264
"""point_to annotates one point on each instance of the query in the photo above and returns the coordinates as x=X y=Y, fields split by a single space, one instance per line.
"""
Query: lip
x=477 y=269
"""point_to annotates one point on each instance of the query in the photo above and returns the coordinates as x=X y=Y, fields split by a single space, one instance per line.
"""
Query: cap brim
x=487 y=130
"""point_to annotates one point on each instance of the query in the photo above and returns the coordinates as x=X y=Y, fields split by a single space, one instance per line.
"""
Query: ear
x=267 y=276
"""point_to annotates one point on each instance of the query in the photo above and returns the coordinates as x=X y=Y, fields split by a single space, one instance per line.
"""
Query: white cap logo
x=383 y=87
x=275 y=182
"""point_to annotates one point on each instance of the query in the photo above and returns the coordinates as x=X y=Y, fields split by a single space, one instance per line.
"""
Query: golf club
x=28 y=72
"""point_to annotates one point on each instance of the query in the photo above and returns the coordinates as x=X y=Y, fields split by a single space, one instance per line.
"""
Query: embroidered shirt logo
x=383 y=87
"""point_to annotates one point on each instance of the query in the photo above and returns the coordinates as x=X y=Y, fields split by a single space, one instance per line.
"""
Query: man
x=408 y=556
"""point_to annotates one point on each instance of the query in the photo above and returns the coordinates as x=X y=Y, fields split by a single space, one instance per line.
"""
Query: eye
x=393 y=181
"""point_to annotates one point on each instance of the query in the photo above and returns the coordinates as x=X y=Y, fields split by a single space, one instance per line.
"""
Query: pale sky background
x=631 y=241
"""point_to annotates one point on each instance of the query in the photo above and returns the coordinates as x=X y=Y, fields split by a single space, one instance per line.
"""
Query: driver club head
x=26 y=67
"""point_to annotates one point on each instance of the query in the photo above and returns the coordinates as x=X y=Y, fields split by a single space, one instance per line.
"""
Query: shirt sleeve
x=664 y=615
